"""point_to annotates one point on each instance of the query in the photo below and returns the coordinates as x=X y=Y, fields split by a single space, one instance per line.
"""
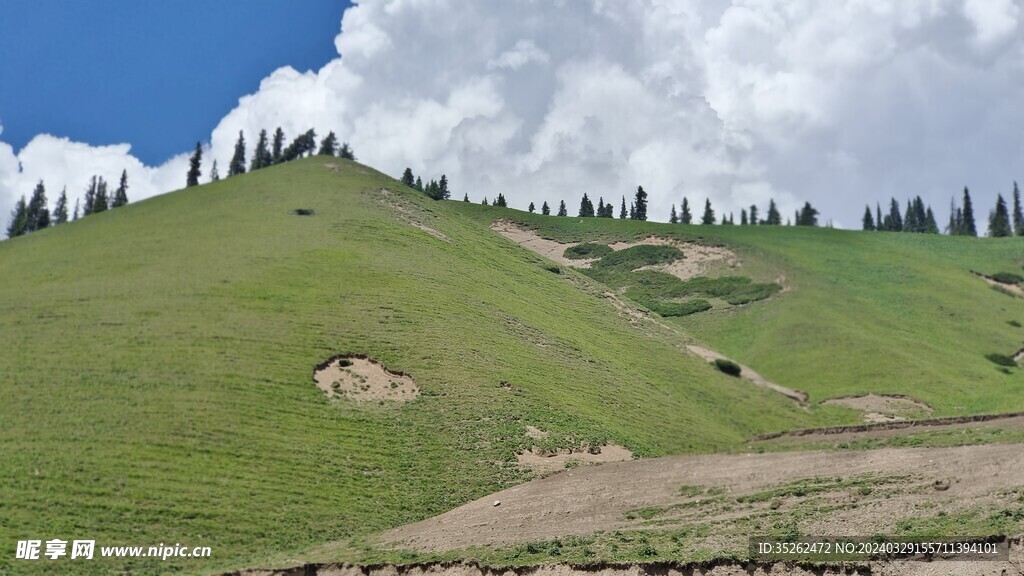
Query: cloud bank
x=840 y=103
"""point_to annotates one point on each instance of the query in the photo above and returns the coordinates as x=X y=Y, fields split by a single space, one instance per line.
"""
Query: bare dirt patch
x=530 y=240
x=406 y=213
x=585 y=500
x=749 y=374
x=331 y=166
x=545 y=463
x=883 y=407
x=1012 y=289
x=698 y=259
x=362 y=379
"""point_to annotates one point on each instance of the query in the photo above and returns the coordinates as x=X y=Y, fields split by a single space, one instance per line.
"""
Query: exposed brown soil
x=1014 y=567
x=406 y=214
x=1012 y=288
x=899 y=427
x=547 y=463
x=585 y=500
x=698 y=258
x=883 y=407
x=362 y=379
x=749 y=374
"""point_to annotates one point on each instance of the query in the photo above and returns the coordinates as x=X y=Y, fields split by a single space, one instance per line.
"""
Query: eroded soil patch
x=749 y=374
x=698 y=259
x=361 y=379
x=883 y=407
x=834 y=492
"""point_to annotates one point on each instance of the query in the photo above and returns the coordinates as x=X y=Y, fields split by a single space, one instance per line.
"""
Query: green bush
x=587 y=250
x=1013 y=323
x=1001 y=360
x=668 y=309
x=638 y=257
x=727 y=367
x=1007 y=278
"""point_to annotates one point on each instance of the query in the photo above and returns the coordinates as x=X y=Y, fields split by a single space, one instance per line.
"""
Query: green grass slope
x=863 y=312
x=156 y=373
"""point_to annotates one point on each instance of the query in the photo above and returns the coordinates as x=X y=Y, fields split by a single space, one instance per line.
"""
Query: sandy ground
x=547 y=463
x=585 y=500
x=883 y=407
x=698 y=258
x=749 y=374
x=364 y=380
x=406 y=214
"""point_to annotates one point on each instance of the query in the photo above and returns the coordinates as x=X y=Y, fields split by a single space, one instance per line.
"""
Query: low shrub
x=587 y=250
x=1013 y=323
x=638 y=257
x=1007 y=278
x=727 y=367
x=303 y=212
x=669 y=309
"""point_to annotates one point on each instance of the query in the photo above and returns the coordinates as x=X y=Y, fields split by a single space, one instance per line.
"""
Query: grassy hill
x=157 y=359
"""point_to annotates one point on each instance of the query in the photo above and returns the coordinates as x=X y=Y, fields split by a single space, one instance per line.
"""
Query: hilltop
x=160 y=359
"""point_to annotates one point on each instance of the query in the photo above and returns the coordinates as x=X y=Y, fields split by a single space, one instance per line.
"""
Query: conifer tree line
x=919 y=218
x=437 y=189
x=34 y=214
x=267 y=153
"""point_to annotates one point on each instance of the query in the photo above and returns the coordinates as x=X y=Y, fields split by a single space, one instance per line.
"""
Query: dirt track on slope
x=749 y=374
x=585 y=500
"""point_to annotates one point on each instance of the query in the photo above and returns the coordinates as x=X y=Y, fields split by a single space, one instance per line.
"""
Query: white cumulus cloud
x=841 y=103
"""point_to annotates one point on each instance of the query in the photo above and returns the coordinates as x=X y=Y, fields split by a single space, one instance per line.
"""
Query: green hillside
x=157 y=359
x=863 y=312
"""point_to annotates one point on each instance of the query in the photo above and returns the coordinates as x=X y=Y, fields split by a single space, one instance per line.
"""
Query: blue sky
x=840 y=103
x=156 y=74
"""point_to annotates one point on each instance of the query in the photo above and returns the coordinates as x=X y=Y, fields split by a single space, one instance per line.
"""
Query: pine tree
x=484 y=202
x=19 y=219
x=1018 y=213
x=531 y=209
x=432 y=190
x=237 y=165
x=895 y=220
x=920 y=216
x=500 y=201
x=121 y=195
x=102 y=200
x=465 y=198
x=640 y=204
x=261 y=157
x=743 y=216
x=419 y=184
x=37 y=216
x=90 y=196
x=622 y=210
x=878 y=216
x=725 y=221
x=60 y=211
x=753 y=215
x=807 y=216
x=214 y=172
x=545 y=209
x=686 y=217
x=709 y=214
x=345 y=152
x=969 y=228
x=910 y=218
x=561 y=209
x=931 y=226
x=632 y=211
x=586 y=207
x=673 y=218
x=277 y=154
x=774 y=218
x=999 y=220
x=868 y=220
x=329 y=145
x=194 y=168
x=407 y=178
x=75 y=216
x=443 y=193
